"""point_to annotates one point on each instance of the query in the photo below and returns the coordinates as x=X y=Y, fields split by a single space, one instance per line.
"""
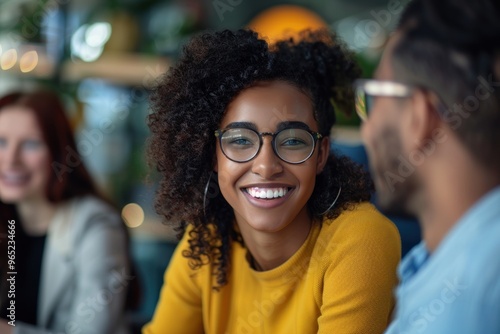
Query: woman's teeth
x=267 y=192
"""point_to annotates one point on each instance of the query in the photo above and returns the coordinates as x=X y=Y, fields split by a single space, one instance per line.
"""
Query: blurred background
x=103 y=57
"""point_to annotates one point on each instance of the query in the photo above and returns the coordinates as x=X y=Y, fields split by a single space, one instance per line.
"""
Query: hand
x=5 y=328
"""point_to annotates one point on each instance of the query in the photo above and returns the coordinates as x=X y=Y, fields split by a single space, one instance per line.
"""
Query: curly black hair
x=188 y=105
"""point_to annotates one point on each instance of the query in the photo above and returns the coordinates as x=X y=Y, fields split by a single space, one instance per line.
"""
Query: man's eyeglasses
x=291 y=145
x=366 y=90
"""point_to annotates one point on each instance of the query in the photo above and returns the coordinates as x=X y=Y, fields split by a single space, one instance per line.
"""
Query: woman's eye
x=241 y=141
x=292 y=142
x=32 y=144
x=3 y=142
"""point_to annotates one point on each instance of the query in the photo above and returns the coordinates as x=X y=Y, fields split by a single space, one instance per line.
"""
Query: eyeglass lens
x=364 y=103
x=291 y=145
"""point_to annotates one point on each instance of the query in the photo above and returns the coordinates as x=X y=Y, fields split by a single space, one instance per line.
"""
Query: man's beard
x=395 y=177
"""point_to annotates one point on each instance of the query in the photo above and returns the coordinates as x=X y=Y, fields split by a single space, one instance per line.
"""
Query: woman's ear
x=323 y=153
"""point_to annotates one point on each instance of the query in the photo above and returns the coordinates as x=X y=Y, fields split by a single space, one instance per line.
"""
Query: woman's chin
x=266 y=225
x=14 y=197
x=10 y=199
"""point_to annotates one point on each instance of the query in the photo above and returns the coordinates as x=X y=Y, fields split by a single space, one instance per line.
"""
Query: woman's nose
x=267 y=164
x=10 y=155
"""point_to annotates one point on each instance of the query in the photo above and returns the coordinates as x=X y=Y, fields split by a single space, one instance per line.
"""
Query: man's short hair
x=453 y=49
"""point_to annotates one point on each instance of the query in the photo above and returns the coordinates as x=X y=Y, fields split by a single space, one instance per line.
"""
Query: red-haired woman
x=66 y=246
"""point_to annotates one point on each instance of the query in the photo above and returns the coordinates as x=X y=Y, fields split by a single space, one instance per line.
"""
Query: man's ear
x=323 y=153
x=424 y=117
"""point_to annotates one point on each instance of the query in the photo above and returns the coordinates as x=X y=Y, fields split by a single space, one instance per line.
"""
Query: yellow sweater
x=339 y=281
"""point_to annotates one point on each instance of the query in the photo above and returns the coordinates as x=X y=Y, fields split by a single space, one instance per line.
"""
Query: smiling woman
x=278 y=236
x=246 y=186
x=68 y=249
x=19 y=124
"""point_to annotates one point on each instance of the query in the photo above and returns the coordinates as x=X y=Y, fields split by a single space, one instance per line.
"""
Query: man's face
x=383 y=133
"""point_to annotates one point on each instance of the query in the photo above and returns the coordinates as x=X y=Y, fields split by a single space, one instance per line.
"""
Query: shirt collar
x=482 y=212
x=413 y=261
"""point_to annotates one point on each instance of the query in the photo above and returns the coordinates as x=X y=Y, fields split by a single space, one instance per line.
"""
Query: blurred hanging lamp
x=285 y=21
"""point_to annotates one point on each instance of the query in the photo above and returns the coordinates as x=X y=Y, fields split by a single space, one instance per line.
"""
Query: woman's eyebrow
x=246 y=125
x=279 y=127
x=292 y=124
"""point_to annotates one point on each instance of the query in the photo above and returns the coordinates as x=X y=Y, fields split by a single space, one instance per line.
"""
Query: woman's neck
x=36 y=215
x=269 y=250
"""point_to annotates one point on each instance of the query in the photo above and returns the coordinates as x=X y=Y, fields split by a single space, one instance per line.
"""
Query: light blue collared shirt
x=456 y=290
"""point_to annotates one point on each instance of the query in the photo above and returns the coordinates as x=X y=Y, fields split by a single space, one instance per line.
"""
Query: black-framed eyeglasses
x=291 y=145
x=365 y=90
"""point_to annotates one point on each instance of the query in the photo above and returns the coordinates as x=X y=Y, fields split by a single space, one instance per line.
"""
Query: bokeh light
x=88 y=41
x=8 y=59
x=133 y=215
x=285 y=21
x=98 y=34
x=28 y=61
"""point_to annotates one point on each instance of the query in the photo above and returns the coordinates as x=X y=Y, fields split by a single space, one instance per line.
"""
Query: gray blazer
x=85 y=272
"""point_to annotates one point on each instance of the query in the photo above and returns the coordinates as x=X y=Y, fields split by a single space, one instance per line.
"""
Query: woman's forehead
x=269 y=104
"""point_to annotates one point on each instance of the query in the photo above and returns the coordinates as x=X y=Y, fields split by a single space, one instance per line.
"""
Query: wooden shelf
x=128 y=69
x=120 y=68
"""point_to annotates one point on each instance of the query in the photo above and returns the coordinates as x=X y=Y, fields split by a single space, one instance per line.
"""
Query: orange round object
x=285 y=21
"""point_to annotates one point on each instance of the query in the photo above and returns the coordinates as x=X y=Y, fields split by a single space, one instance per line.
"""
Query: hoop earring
x=207 y=186
x=334 y=201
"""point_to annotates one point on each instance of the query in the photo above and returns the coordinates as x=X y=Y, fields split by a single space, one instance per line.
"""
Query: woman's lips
x=269 y=193
x=267 y=197
x=14 y=179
